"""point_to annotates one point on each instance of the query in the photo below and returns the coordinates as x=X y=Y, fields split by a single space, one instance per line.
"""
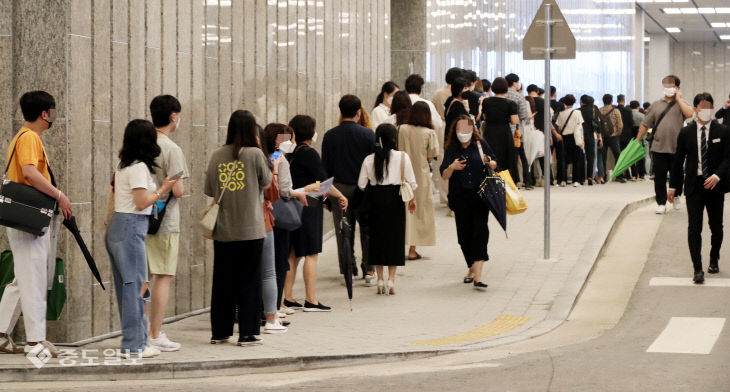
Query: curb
x=199 y=369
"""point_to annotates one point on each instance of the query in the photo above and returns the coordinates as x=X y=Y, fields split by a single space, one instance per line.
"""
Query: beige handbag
x=209 y=217
x=406 y=192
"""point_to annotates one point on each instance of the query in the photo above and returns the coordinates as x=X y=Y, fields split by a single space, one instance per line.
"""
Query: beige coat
x=421 y=144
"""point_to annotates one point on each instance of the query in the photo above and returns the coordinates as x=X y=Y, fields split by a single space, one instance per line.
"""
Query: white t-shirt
x=379 y=115
x=135 y=176
x=576 y=121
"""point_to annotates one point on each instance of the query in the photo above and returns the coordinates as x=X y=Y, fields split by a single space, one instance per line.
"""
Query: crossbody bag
x=659 y=120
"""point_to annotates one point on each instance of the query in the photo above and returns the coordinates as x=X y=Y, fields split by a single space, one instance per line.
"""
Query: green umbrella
x=633 y=153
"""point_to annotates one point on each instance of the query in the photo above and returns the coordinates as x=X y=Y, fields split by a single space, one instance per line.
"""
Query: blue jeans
x=125 y=245
x=268 y=275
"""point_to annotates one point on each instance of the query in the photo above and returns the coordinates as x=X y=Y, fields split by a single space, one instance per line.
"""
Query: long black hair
x=388 y=88
x=140 y=144
x=242 y=131
x=385 y=136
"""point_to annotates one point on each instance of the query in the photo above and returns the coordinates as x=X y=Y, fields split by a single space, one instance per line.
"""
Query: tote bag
x=209 y=217
x=515 y=203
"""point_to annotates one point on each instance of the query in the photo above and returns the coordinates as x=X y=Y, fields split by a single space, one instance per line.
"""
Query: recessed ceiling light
x=686 y=11
x=720 y=25
x=725 y=38
x=647 y=39
x=723 y=10
x=671 y=11
x=706 y=10
x=674 y=30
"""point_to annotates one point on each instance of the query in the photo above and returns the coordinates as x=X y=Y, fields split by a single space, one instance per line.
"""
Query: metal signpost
x=548 y=38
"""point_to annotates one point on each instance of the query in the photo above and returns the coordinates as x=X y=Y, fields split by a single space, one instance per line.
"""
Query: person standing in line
x=640 y=167
x=706 y=146
x=534 y=92
x=591 y=134
x=381 y=110
x=463 y=166
x=344 y=147
x=280 y=137
x=307 y=171
x=135 y=192
x=514 y=94
x=570 y=122
x=456 y=105
x=627 y=119
x=400 y=109
x=33 y=256
x=414 y=88
x=472 y=97
x=724 y=113
x=499 y=113
x=418 y=139
x=240 y=168
x=444 y=93
x=380 y=177
x=163 y=247
x=558 y=144
x=666 y=116
x=612 y=127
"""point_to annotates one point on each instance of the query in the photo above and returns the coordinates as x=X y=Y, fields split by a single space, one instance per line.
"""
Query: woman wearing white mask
x=464 y=159
x=381 y=110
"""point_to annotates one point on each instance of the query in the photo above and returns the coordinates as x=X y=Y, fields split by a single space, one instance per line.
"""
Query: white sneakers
x=677 y=204
x=287 y=311
x=369 y=280
x=577 y=184
x=162 y=343
x=148 y=352
x=661 y=209
x=48 y=347
x=274 y=326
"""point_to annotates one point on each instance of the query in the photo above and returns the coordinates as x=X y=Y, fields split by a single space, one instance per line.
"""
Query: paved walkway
x=432 y=311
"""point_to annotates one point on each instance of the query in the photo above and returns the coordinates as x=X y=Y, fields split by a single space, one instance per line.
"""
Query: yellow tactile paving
x=499 y=326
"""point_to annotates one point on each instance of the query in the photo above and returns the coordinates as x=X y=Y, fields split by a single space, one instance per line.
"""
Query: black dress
x=387 y=221
x=496 y=112
x=306 y=168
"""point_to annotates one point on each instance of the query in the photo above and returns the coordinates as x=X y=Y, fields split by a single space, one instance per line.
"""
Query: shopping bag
x=534 y=142
x=56 y=297
x=515 y=203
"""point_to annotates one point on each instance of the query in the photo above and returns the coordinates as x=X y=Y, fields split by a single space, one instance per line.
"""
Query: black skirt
x=386 y=216
x=307 y=240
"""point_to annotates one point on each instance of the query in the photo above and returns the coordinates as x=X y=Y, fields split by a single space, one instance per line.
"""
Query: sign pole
x=547 y=167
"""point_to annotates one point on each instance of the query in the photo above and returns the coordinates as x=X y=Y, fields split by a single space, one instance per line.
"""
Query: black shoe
x=354 y=270
x=480 y=285
x=292 y=304
x=250 y=340
x=468 y=280
x=310 y=307
x=285 y=323
x=699 y=277
x=713 y=268
x=621 y=180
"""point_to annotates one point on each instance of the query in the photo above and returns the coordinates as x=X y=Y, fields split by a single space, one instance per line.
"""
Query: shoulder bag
x=406 y=191
x=209 y=217
x=23 y=207
x=160 y=208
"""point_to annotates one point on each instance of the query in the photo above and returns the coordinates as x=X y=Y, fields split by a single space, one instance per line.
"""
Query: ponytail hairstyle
x=386 y=141
x=388 y=88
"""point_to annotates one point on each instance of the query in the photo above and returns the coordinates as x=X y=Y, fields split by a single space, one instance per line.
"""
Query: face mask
x=464 y=137
x=389 y=101
x=705 y=115
x=51 y=118
x=669 y=91
x=287 y=147
x=314 y=138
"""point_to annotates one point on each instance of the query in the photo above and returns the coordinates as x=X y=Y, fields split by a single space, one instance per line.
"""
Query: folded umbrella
x=345 y=255
x=74 y=229
x=492 y=192
x=633 y=153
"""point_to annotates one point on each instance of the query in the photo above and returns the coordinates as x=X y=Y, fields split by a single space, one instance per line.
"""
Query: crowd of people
x=376 y=170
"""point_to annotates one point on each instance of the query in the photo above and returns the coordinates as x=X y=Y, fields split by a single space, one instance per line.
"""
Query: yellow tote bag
x=515 y=203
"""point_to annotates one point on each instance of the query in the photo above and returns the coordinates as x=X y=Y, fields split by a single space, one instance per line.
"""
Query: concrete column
x=658 y=65
x=637 y=57
x=408 y=39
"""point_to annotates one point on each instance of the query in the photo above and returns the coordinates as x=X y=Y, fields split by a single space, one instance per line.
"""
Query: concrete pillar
x=658 y=64
x=408 y=35
x=637 y=57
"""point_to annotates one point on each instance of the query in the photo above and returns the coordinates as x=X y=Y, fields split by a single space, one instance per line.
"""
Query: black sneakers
x=310 y=307
x=292 y=304
x=699 y=277
x=250 y=340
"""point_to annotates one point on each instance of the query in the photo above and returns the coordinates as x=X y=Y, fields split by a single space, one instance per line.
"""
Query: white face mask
x=669 y=91
x=464 y=137
x=287 y=147
x=389 y=101
x=705 y=115
x=314 y=138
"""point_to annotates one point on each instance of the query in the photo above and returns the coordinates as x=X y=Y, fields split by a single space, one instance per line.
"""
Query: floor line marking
x=670 y=281
x=499 y=326
x=688 y=335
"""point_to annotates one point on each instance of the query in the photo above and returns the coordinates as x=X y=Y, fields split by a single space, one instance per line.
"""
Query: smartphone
x=275 y=156
x=176 y=176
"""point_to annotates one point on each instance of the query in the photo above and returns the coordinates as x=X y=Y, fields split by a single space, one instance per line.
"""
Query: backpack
x=607 y=123
x=596 y=121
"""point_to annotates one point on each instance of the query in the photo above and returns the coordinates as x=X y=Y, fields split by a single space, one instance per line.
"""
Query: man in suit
x=706 y=146
x=724 y=114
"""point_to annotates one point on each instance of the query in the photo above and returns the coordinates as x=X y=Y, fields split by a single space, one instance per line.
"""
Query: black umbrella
x=74 y=229
x=491 y=192
x=346 y=256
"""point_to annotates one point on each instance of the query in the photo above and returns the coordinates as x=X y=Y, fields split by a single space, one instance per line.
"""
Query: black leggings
x=281 y=261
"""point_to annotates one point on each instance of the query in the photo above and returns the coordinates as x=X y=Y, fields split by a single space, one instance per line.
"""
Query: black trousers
x=560 y=168
x=281 y=261
x=697 y=202
x=527 y=177
x=471 y=214
x=574 y=155
x=236 y=284
x=348 y=191
x=612 y=143
x=662 y=165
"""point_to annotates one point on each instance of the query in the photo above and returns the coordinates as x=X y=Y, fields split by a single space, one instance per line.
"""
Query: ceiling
x=694 y=20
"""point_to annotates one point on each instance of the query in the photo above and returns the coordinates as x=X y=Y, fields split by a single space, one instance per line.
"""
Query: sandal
x=416 y=257
x=7 y=345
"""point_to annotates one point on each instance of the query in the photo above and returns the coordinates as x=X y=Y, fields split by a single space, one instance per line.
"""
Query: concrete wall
x=104 y=60
x=702 y=67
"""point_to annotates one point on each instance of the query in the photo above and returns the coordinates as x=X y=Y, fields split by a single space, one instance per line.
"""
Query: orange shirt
x=28 y=151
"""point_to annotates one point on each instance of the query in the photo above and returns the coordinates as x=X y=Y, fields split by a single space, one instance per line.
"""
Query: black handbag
x=287 y=214
x=157 y=216
x=23 y=207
